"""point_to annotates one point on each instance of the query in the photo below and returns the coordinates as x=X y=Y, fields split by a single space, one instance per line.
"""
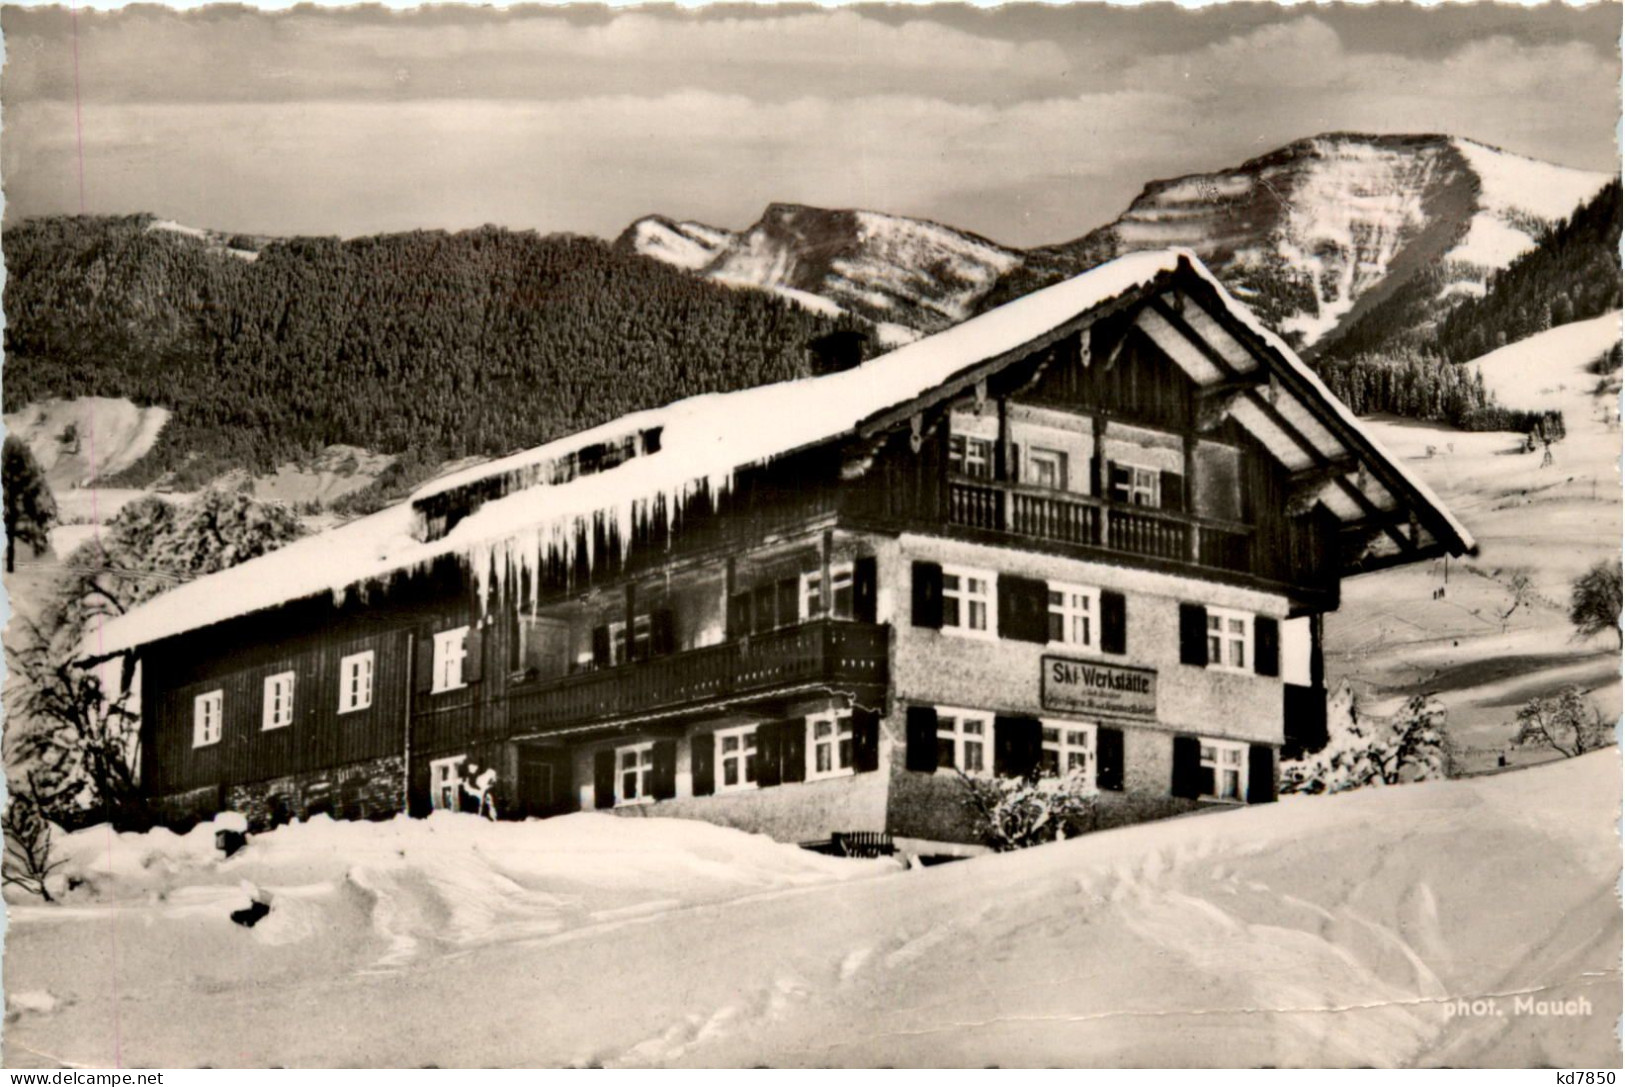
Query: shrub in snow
x=1011 y=813
x=1363 y=751
x=27 y=862
x=1567 y=723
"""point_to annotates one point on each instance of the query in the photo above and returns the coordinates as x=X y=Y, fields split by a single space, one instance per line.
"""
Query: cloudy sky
x=1028 y=124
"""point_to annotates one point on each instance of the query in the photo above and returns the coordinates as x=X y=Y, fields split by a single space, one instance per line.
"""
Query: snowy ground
x=1392 y=638
x=1326 y=930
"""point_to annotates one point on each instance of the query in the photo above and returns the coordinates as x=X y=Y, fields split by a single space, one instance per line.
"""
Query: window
x=1072 y=611
x=278 y=701
x=1046 y=468
x=736 y=758
x=1068 y=747
x=1136 y=486
x=831 y=745
x=812 y=602
x=446 y=783
x=450 y=649
x=967 y=601
x=634 y=766
x=1228 y=633
x=207 y=714
x=969 y=456
x=962 y=737
x=1224 y=770
x=355 y=682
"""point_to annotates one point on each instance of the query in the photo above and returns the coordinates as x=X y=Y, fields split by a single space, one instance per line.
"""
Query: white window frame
x=965 y=602
x=1065 y=743
x=1222 y=640
x=1144 y=485
x=208 y=718
x=355 y=681
x=277 y=701
x=840 y=728
x=840 y=576
x=1033 y=456
x=746 y=735
x=1212 y=757
x=445 y=774
x=982 y=463
x=450 y=649
x=643 y=767
x=1069 y=611
x=642 y=631
x=951 y=722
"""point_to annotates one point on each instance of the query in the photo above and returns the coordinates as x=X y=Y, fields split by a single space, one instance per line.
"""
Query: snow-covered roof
x=704 y=440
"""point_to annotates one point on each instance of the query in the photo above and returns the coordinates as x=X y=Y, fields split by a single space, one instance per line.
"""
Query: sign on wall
x=1091 y=687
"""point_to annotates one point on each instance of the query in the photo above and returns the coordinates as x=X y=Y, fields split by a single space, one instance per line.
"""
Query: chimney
x=836 y=351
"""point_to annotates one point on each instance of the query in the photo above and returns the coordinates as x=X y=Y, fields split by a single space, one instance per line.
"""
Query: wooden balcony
x=816 y=654
x=1086 y=521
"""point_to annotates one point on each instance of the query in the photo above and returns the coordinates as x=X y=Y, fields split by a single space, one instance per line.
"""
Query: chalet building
x=1091 y=531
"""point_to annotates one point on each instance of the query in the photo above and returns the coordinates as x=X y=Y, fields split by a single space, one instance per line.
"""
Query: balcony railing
x=815 y=653
x=1091 y=522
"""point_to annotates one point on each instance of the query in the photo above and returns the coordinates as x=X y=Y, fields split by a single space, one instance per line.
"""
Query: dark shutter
x=1015 y=463
x=1109 y=759
x=1266 y=646
x=922 y=739
x=769 y=752
x=702 y=763
x=927 y=597
x=423 y=681
x=1018 y=744
x=603 y=778
x=1173 y=492
x=738 y=615
x=1113 y=622
x=865 y=740
x=1187 y=767
x=1260 y=774
x=793 y=750
x=764 y=608
x=600 y=646
x=790 y=601
x=474 y=654
x=663 y=775
x=865 y=585
x=1023 y=608
x=1193 y=635
x=1117 y=478
x=662 y=632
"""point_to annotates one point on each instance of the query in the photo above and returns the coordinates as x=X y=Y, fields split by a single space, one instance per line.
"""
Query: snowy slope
x=1516 y=195
x=687 y=245
x=1324 y=930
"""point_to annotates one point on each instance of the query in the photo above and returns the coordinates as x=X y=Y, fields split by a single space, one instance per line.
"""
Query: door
x=540 y=778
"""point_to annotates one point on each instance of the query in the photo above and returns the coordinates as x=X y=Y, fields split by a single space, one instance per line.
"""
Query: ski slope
x=1323 y=930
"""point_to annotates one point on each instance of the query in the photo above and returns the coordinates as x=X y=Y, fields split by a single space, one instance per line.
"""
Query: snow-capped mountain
x=1314 y=235
x=890 y=269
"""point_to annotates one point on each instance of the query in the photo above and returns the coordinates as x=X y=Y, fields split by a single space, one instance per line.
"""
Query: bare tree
x=1569 y=724
x=1520 y=590
x=1594 y=601
x=27 y=862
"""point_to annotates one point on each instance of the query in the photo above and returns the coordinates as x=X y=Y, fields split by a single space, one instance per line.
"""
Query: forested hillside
x=1573 y=274
x=427 y=344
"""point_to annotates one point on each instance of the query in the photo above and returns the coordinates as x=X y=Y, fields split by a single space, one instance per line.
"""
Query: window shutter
x=865 y=740
x=662 y=633
x=922 y=739
x=603 y=778
x=793 y=750
x=1116 y=481
x=600 y=646
x=763 y=609
x=769 y=753
x=789 y=601
x=702 y=756
x=1260 y=774
x=1109 y=759
x=927 y=597
x=738 y=615
x=1113 y=622
x=1023 y=608
x=423 y=681
x=663 y=775
x=1017 y=746
x=865 y=588
x=1266 y=646
x=1015 y=463
x=1173 y=492
x=474 y=654
x=1187 y=767
x=1193 y=635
